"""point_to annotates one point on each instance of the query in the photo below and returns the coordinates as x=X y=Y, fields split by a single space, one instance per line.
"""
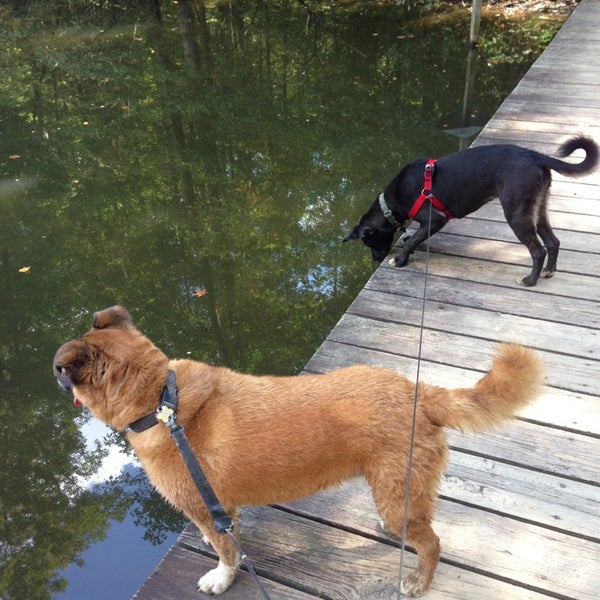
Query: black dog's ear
x=115 y=316
x=69 y=362
x=358 y=233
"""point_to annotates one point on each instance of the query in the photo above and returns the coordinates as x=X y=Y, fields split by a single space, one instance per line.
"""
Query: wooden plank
x=339 y=564
x=576 y=275
x=579 y=209
x=564 y=453
x=557 y=407
x=489 y=230
x=177 y=574
x=481 y=292
x=543 y=136
x=521 y=107
x=571 y=219
x=553 y=502
x=586 y=188
x=477 y=322
x=574 y=373
x=546 y=73
x=560 y=221
x=526 y=96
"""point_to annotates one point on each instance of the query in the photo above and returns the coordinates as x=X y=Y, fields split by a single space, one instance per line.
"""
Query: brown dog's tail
x=513 y=382
x=588 y=164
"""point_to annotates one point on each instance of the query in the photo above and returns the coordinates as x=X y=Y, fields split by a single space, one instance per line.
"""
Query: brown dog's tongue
x=77 y=403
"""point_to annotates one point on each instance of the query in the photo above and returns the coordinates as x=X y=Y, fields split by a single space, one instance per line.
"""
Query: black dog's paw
x=527 y=281
x=398 y=261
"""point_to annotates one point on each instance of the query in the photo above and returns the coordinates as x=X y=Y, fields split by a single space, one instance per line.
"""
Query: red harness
x=427 y=194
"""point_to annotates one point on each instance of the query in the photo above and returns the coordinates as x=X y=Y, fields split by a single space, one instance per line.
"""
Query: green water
x=200 y=165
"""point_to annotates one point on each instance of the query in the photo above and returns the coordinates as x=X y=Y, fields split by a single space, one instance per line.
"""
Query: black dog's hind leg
x=426 y=229
x=551 y=242
x=522 y=223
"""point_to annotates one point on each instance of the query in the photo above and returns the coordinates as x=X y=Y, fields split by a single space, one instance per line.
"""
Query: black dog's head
x=375 y=231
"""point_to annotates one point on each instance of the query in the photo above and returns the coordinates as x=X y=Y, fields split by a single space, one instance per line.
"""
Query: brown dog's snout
x=62 y=378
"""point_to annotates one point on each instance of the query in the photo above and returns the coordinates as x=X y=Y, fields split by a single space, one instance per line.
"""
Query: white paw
x=217 y=580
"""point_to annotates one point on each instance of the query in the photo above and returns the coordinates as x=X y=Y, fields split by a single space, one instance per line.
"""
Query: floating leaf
x=199 y=292
x=24 y=269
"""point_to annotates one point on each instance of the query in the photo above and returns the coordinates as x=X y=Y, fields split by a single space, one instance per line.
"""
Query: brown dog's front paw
x=414 y=585
x=217 y=580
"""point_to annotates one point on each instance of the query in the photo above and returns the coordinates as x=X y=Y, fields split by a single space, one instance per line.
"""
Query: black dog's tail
x=588 y=164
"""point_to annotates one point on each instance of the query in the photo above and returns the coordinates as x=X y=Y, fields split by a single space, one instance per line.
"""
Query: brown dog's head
x=112 y=369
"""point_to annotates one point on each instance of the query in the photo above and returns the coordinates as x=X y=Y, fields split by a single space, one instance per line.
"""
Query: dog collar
x=166 y=410
x=389 y=215
x=387 y=211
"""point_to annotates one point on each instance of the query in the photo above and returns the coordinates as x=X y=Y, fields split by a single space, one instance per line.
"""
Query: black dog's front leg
x=426 y=229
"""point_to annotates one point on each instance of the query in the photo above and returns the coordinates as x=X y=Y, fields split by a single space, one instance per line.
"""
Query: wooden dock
x=519 y=511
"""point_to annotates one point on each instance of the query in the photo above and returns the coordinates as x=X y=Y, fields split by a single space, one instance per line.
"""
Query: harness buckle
x=166 y=414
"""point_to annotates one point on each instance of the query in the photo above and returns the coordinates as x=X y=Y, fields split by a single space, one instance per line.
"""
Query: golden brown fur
x=263 y=440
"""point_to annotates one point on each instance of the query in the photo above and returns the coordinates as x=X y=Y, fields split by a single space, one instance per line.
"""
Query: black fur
x=464 y=181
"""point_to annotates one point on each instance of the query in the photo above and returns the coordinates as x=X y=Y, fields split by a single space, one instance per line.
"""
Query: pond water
x=199 y=164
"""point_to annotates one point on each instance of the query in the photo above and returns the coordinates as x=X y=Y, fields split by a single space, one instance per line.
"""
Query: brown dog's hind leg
x=389 y=496
x=419 y=535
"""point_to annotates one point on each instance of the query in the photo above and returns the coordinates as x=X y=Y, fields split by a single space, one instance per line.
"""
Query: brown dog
x=315 y=430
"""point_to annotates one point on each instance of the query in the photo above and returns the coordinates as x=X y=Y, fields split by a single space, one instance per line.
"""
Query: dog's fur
x=263 y=440
x=464 y=181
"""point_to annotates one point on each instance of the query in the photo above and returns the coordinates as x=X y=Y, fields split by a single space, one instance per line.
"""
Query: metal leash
x=223 y=522
x=416 y=399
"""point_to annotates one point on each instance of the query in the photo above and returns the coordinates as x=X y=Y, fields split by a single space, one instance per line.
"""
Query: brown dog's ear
x=115 y=316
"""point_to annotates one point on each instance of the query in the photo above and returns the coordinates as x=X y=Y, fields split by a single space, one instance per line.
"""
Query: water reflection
x=151 y=150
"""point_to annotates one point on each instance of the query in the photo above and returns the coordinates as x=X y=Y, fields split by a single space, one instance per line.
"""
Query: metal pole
x=475 y=20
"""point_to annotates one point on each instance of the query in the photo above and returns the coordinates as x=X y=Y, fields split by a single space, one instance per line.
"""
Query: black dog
x=460 y=183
